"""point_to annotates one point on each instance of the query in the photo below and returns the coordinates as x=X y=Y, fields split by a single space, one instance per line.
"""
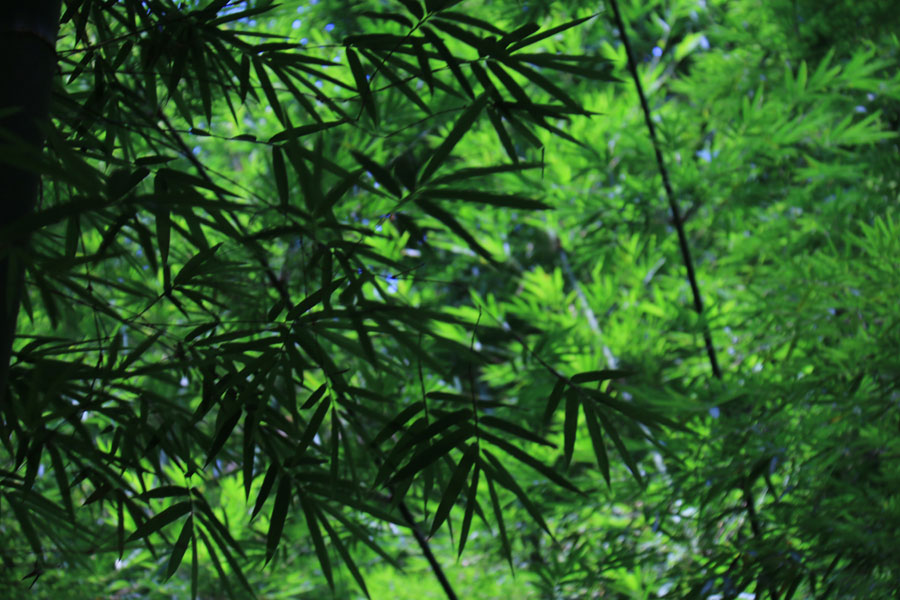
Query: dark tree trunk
x=27 y=64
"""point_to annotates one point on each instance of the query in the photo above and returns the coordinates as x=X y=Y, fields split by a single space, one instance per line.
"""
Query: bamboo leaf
x=398 y=422
x=495 y=470
x=538 y=79
x=195 y=265
x=181 y=545
x=474 y=172
x=195 y=567
x=601 y=375
x=571 y=426
x=312 y=523
x=532 y=39
x=387 y=16
x=620 y=446
x=454 y=487
x=462 y=125
x=503 y=135
x=281 y=179
x=293 y=133
x=312 y=428
x=431 y=453
x=590 y=415
x=266 y=84
x=157 y=522
x=554 y=399
x=381 y=174
x=471 y=503
x=362 y=84
x=414 y=8
x=514 y=429
x=315 y=397
x=449 y=59
x=279 y=514
x=467 y=19
x=223 y=433
x=505 y=547
x=519 y=33
x=345 y=555
x=479 y=197
x=529 y=460
x=265 y=489
x=455 y=226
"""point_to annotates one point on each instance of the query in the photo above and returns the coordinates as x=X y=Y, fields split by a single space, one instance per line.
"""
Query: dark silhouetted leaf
x=157 y=522
x=414 y=8
x=362 y=84
x=454 y=487
x=312 y=523
x=279 y=514
x=180 y=547
x=502 y=200
x=381 y=174
x=460 y=127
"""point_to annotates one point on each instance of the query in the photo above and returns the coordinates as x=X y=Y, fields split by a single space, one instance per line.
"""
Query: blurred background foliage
x=311 y=282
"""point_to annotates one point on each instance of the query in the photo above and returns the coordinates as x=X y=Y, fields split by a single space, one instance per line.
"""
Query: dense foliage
x=388 y=299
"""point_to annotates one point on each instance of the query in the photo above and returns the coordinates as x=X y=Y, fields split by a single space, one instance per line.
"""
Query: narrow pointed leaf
x=414 y=8
x=471 y=502
x=345 y=555
x=473 y=172
x=571 y=426
x=312 y=428
x=268 y=90
x=532 y=39
x=455 y=226
x=495 y=470
x=554 y=399
x=541 y=81
x=223 y=433
x=448 y=58
x=398 y=422
x=505 y=548
x=381 y=174
x=312 y=523
x=519 y=33
x=195 y=567
x=315 y=397
x=479 y=197
x=362 y=84
x=620 y=445
x=462 y=125
x=513 y=429
x=265 y=489
x=531 y=461
x=597 y=441
x=303 y=131
x=279 y=514
x=470 y=20
x=601 y=375
x=281 y=179
x=454 y=487
x=195 y=265
x=157 y=522
x=503 y=135
x=432 y=453
x=180 y=547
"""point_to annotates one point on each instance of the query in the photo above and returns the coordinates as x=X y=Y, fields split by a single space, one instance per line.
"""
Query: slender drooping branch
x=677 y=218
x=678 y=221
x=408 y=516
x=27 y=65
x=427 y=553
